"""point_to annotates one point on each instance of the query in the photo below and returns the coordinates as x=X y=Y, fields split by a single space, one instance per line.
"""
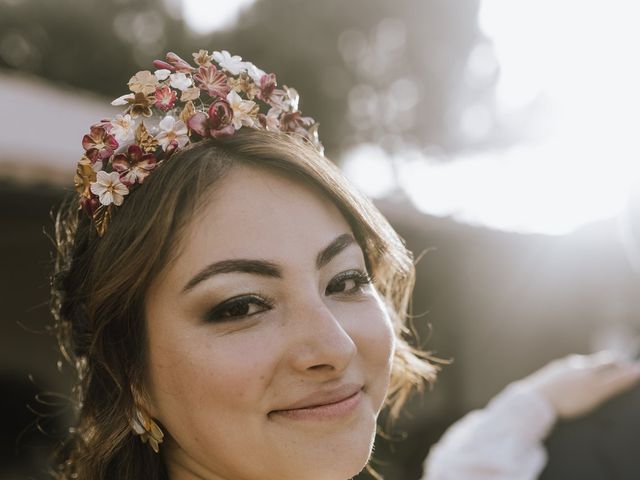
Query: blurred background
x=500 y=139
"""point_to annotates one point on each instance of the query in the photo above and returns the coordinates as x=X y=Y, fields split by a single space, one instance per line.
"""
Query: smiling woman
x=286 y=356
x=242 y=311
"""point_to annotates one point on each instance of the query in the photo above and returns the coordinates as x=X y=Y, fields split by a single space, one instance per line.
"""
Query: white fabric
x=501 y=442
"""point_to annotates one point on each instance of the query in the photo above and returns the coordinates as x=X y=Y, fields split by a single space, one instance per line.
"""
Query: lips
x=324 y=403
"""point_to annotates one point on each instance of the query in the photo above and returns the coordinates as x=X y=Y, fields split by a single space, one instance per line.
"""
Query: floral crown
x=174 y=106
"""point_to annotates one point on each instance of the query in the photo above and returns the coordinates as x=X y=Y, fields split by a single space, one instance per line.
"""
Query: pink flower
x=270 y=121
x=104 y=123
x=165 y=98
x=178 y=63
x=109 y=188
x=295 y=122
x=134 y=166
x=217 y=123
x=162 y=65
x=267 y=86
x=99 y=144
x=286 y=99
x=213 y=81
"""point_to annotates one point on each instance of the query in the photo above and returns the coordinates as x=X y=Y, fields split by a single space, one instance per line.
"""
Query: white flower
x=172 y=133
x=109 y=188
x=122 y=128
x=292 y=98
x=244 y=111
x=162 y=74
x=123 y=99
x=233 y=64
x=180 y=81
x=254 y=72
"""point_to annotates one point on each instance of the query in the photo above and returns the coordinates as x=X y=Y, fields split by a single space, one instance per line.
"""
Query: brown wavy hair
x=99 y=286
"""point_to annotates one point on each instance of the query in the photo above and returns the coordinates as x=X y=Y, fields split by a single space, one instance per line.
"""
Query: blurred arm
x=504 y=440
x=501 y=442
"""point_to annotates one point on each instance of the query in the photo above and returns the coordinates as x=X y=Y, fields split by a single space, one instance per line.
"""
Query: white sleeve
x=501 y=442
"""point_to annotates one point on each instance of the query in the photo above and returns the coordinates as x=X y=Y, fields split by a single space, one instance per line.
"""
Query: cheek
x=370 y=328
x=195 y=374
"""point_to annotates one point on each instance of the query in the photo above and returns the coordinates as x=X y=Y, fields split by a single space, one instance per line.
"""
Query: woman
x=232 y=307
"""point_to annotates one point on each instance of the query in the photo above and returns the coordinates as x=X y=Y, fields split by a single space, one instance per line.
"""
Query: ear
x=142 y=400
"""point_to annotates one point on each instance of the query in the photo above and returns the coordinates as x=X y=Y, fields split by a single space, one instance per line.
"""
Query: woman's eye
x=350 y=282
x=237 y=308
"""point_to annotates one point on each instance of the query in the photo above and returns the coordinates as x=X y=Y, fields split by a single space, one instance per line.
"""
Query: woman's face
x=269 y=353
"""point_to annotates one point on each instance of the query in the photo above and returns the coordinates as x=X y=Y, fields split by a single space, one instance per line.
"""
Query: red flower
x=99 y=144
x=213 y=81
x=220 y=116
x=165 y=98
x=89 y=205
x=217 y=123
x=134 y=166
x=267 y=86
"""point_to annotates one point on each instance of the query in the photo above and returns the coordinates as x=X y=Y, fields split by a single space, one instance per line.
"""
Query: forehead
x=258 y=213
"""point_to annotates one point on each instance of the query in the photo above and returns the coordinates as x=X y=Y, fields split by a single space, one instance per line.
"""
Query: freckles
x=377 y=340
x=231 y=379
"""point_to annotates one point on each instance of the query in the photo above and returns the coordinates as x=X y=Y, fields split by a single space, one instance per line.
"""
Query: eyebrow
x=264 y=268
x=334 y=248
x=256 y=267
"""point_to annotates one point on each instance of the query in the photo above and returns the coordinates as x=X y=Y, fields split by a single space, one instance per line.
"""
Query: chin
x=341 y=458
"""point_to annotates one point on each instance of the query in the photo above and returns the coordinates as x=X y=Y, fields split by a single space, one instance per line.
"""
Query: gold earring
x=149 y=431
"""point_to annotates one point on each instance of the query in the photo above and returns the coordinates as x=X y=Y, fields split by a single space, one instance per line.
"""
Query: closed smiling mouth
x=323 y=404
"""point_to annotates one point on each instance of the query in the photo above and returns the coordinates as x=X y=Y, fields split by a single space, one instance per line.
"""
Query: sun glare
x=206 y=16
x=579 y=60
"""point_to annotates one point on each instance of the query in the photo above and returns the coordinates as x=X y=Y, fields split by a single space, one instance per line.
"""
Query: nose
x=321 y=345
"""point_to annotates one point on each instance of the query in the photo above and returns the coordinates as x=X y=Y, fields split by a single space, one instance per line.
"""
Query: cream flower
x=123 y=100
x=109 y=188
x=244 y=111
x=180 y=81
x=172 y=133
x=232 y=64
x=162 y=74
x=191 y=93
x=143 y=82
x=202 y=58
x=123 y=128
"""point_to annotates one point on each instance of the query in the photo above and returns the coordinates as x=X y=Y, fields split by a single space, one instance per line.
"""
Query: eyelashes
x=239 y=307
x=356 y=279
x=349 y=283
